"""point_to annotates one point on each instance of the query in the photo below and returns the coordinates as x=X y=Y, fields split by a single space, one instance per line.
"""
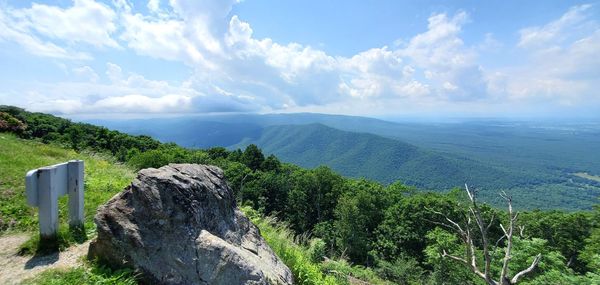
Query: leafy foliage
x=8 y=123
x=535 y=162
x=358 y=228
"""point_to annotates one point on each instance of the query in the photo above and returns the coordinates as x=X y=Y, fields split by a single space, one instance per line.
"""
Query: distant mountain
x=187 y=132
x=532 y=148
x=537 y=162
x=220 y=130
x=374 y=157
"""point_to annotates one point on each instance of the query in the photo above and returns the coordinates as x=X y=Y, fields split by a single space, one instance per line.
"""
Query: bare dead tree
x=465 y=233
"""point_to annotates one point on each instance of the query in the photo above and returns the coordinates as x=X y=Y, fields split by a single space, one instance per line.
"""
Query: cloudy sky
x=377 y=58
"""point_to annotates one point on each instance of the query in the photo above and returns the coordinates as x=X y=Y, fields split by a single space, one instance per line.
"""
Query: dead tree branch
x=465 y=234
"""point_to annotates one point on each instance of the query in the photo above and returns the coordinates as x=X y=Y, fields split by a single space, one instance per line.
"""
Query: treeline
x=394 y=230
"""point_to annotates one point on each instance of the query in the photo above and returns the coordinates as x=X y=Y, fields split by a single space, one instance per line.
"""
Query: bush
x=8 y=123
x=317 y=249
x=153 y=158
x=402 y=271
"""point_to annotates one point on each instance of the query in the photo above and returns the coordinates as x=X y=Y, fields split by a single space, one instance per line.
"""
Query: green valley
x=329 y=229
x=531 y=160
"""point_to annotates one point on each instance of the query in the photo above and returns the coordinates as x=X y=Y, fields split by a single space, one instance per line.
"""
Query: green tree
x=565 y=232
x=407 y=221
x=358 y=213
x=271 y=163
x=590 y=253
x=445 y=271
x=75 y=135
x=274 y=188
x=237 y=175
x=217 y=152
x=253 y=157
x=152 y=158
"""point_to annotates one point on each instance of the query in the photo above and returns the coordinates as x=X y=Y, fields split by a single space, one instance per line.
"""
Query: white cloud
x=563 y=62
x=489 y=44
x=440 y=46
x=153 y=5
x=362 y=87
x=227 y=59
x=136 y=103
x=449 y=86
x=14 y=31
x=85 y=22
x=114 y=72
x=291 y=60
x=413 y=89
x=555 y=31
x=233 y=70
x=160 y=37
x=39 y=27
x=376 y=60
x=127 y=92
x=86 y=73
x=133 y=103
x=449 y=66
x=65 y=106
x=205 y=22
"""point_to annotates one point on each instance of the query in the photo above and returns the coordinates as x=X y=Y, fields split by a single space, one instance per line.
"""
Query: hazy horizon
x=395 y=119
x=424 y=60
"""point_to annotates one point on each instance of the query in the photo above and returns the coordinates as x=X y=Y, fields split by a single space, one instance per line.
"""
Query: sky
x=373 y=58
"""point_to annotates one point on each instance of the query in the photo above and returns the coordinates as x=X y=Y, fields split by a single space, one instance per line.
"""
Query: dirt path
x=15 y=268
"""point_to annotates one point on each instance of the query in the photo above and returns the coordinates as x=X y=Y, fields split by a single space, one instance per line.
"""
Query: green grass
x=84 y=275
x=103 y=179
x=296 y=254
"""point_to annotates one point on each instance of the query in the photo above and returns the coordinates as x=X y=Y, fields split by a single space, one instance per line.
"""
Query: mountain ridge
x=528 y=160
x=367 y=155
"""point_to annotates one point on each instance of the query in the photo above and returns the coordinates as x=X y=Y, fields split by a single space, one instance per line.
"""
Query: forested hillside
x=534 y=161
x=374 y=157
x=399 y=234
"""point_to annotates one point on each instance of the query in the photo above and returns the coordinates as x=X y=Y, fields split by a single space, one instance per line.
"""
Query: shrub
x=8 y=123
x=317 y=249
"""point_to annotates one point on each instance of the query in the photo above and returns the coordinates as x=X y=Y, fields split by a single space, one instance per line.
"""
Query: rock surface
x=179 y=225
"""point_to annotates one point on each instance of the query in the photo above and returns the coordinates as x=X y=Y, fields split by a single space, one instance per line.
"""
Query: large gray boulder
x=179 y=224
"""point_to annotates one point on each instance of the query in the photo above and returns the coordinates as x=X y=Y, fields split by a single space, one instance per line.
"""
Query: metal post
x=48 y=203
x=75 y=191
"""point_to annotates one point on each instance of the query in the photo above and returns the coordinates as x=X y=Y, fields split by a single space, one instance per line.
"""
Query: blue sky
x=374 y=58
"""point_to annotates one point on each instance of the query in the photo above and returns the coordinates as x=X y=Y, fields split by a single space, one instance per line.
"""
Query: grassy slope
x=103 y=179
x=297 y=256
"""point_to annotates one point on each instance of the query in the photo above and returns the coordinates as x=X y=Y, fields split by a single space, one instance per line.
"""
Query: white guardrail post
x=45 y=185
x=75 y=187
